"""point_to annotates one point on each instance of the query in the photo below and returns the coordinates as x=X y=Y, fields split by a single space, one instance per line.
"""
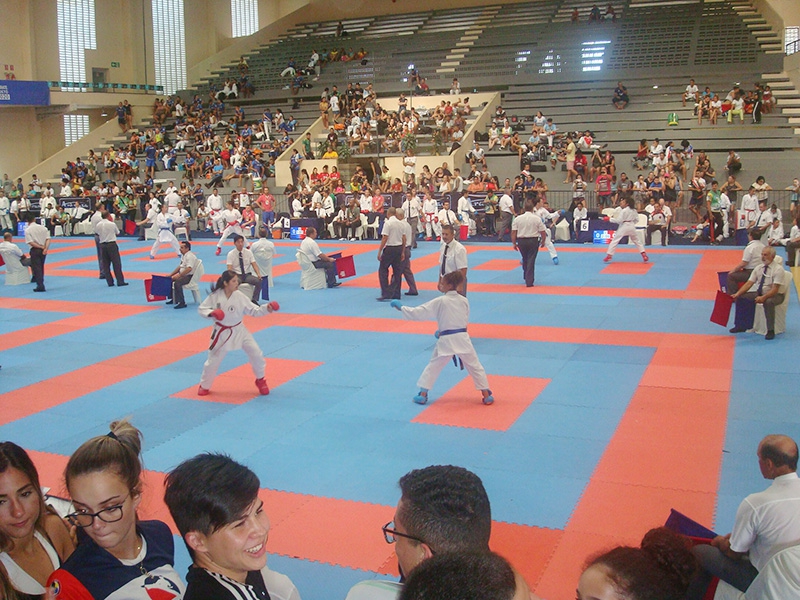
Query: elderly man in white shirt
x=182 y=274
x=241 y=261
x=528 y=235
x=767 y=278
x=38 y=239
x=107 y=230
x=319 y=259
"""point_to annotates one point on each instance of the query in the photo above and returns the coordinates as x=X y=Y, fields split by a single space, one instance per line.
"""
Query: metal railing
x=72 y=86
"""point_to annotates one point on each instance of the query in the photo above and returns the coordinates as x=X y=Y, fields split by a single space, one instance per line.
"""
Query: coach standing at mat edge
x=38 y=238
x=528 y=235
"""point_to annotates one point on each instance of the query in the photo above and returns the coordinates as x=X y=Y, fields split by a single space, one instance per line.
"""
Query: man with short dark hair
x=319 y=259
x=38 y=239
x=107 y=230
x=442 y=508
x=183 y=274
x=242 y=262
x=765 y=522
x=215 y=505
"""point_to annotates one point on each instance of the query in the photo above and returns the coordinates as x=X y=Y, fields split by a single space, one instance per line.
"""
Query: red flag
x=130 y=227
x=150 y=297
x=722 y=309
x=345 y=267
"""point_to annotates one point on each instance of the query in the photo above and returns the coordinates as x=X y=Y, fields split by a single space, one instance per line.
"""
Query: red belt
x=219 y=329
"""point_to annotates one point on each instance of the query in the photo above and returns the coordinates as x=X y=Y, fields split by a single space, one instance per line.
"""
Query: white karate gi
x=429 y=210
x=627 y=218
x=230 y=333
x=547 y=218
x=450 y=311
x=165 y=235
x=231 y=218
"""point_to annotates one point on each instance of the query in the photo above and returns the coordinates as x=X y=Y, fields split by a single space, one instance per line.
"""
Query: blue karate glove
x=396 y=304
x=436 y=334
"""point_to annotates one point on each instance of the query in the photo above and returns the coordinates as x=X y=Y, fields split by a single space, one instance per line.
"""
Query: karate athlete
x=451 y=311
x=231 y=218
x=627 y=218
x=214 y=203
x=227 y=305
x=165 y=236
x=431 y=222
x=548 y=218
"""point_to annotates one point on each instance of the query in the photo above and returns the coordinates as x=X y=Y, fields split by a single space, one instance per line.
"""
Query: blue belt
x=452 y=331
x=456 y=359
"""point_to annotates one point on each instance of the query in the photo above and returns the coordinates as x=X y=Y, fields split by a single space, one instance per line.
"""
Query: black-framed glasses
x=112 y=514
x=390 y=534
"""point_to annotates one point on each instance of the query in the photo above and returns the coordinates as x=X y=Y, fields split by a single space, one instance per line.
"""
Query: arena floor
x=616 y=398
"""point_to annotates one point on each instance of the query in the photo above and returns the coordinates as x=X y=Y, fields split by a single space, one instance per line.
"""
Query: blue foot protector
x=396 y=304
x=555 y=260
x=422 y=397
x=488 y=399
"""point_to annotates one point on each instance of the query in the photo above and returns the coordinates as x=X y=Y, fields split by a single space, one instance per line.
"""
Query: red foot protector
x=461 y=406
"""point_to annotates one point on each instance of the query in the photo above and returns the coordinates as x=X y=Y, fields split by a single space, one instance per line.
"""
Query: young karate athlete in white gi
x=231 y=218
x=165 y=235
x=227 y=305
x=627 y=218
x=451 y=312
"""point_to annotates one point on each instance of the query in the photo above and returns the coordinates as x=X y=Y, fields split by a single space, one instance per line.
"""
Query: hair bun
x=672 y=554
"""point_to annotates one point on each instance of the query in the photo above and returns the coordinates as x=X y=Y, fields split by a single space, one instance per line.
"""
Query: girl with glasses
x=118 y=556
x=33 y=540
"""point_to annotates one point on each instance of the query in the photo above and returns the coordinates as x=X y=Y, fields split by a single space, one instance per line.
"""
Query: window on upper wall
x=76 y=34
x=75 y=127
x=169 y=44
x=791 y=35
x=244 y=17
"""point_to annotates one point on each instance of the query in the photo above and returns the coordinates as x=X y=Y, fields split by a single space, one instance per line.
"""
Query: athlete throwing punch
x=227 y=305
x=627 y=218
x=451 y=311
x=231 y=218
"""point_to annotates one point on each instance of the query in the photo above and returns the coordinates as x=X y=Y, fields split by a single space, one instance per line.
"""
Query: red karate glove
x=606 y=218
x=274 y=306
x=217 y=314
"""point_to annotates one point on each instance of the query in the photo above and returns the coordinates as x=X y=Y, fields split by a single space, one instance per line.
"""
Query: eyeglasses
x=112 y=514
x=390 y=534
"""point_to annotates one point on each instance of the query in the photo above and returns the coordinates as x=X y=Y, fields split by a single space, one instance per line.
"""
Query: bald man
x=766 y=522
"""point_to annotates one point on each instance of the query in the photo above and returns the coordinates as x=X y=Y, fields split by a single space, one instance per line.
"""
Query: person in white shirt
x=793 y=243
x=241 y=261
x=749 y=206
x=528 y=235
x=766 y=522
x=16 y=261
x=452 y=257
x=465 y=210
x=446 y=216
x=737 y=108
x=506 y=208
x=182 y=274
x=451 y=312
x=180 y=218
x=297 y=207
x=751 y=258
x=319 y=259
x=692 y=93
x=767 y=277
x=5 y=211
x=38 y=239
x=776 y=234
x=263 y=251
x=578 y=214
x=627 y=218
x=163 y=223
x=215 y=205
x=429 y=207
x=407 y=273
x=391 y=253
x=171 y=199
x=93 y=221
x=412 y=208
x=232 y=219
x=107 y=230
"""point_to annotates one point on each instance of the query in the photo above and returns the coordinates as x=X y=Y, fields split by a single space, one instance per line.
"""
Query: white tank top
x=20 y=580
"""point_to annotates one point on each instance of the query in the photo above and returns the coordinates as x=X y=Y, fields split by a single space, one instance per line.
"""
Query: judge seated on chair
x=17 y=263
x=767 y=279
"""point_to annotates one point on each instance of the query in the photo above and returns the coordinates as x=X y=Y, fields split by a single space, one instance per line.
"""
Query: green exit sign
x=115 y=65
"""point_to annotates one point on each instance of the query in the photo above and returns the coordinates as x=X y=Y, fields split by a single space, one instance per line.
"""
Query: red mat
x=461 y=405
x=236 y=386
x=498 y=264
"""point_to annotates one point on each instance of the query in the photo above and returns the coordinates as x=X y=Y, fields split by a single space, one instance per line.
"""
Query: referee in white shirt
x=528 y=235
x=391 y=254
x=107 y=231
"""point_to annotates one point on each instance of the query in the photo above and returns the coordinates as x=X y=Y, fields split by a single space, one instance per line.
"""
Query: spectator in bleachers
x=737 y=108
x=620 y=99
x=692 y=93
x=594 y=14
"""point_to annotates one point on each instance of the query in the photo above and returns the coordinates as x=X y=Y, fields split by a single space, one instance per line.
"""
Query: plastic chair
x=194 y=283
x=360 y=232
x=16 y=272
x=562 y=231
x=311 y=278
x=373 y=226
x=182 y=230
x=608 y=212
x=151 y=233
